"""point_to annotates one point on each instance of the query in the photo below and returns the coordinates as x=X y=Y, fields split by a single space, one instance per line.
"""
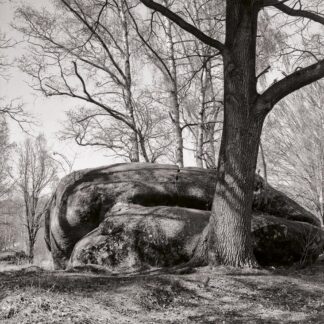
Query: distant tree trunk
x=31 y=246
x=32 y=234
x=321 y=195
x=212 y=152
x=211 y=129
x=321 y=171
x=5 y=234
x=201 y=119
x=200 y=140
x=204 y=79
x=176 y=126
x=173 y=90
x=143 y=148
x=264 y=163
x=135 y=152
x=265 y=173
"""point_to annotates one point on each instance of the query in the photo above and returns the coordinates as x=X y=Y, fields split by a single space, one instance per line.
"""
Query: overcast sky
x=50 y=112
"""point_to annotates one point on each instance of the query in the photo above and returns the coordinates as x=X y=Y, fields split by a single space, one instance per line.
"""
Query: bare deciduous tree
x=94 y=128
x=204 y=67
x=36 y=171
x=86 y=52
x=181 y=60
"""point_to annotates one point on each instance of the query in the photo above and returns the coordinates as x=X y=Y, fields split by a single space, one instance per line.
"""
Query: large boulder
x=89 y=198
x=133 y=237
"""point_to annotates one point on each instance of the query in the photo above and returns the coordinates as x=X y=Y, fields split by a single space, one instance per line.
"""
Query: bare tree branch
x=292 y=82
x=184 y=25
x=296 y=12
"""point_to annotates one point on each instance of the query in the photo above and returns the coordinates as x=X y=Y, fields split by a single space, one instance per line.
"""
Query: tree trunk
x=173 y=90
x=200 y=139
x=321 y=196
x=212 y=152
x=31 y=245
x=143 y=148
x=265 y=172
x=201 y=119
x=321 y=184
x=135 y=152
x=175 y=113
x=230 y=221
x=211 y=128
x=264 y=164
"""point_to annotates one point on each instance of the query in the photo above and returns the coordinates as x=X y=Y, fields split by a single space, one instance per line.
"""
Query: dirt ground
x=218 y=295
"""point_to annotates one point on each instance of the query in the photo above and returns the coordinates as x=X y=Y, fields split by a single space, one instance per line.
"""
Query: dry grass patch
x=219 y=295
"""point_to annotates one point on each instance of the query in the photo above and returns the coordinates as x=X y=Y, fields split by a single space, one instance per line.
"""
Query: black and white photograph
x=161 y=161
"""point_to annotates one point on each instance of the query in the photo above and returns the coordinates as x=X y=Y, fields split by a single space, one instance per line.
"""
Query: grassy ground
x=219 y=295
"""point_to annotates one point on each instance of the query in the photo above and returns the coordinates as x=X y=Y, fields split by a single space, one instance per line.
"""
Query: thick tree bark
x=230 y=222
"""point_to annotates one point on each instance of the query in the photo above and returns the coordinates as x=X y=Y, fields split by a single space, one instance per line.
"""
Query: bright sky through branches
x=50 y=112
